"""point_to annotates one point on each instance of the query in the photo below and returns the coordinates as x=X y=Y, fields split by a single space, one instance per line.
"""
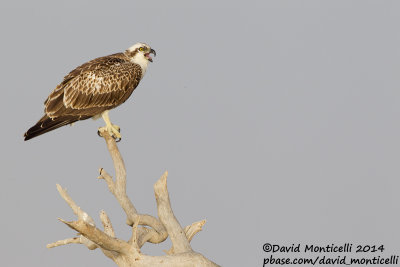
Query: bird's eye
x=141 y=49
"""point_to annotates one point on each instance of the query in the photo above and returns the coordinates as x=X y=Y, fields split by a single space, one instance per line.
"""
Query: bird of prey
x=92 y=89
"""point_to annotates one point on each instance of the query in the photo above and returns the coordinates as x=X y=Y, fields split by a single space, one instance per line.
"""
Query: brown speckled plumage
x=90 y=89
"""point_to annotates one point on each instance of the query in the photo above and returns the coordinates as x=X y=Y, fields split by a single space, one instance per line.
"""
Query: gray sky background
x=278 y=121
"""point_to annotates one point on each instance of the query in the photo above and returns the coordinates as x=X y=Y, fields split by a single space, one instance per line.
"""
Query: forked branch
x=145 y=228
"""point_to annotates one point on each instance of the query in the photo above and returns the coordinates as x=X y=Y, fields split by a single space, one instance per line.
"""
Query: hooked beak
x=152 y=51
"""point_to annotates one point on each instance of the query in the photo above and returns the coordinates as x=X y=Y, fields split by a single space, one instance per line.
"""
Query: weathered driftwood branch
x=190 y=231
x=145 y=228
x=180 y=242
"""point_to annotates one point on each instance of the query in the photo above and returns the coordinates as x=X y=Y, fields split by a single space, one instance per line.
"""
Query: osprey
x=92 y=89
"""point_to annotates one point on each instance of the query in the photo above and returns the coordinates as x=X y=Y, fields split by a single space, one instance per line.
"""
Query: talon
x=114 y=133
x=112 y=129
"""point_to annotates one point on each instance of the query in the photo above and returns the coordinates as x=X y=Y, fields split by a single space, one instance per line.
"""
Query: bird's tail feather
x=46 y=124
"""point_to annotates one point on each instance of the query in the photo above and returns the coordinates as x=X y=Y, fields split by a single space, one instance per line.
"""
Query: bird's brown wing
x=94 y=87
x=90 y=89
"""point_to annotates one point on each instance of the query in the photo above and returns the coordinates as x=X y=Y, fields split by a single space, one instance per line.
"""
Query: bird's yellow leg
x=112 y=129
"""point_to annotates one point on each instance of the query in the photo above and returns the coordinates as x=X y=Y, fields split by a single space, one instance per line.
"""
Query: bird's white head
x=140 y=54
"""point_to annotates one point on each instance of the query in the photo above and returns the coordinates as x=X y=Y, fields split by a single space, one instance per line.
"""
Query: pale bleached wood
x=105 y=220
x=158 y=232
x=145 y=228
x=74 y=240
x=99 y=237
x=180 y=244
x=81 y=215
x=193 y=229
x=190 y=231
x=75 y=208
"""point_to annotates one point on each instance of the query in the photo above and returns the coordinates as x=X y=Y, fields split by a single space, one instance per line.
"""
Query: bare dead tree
x=145 y=228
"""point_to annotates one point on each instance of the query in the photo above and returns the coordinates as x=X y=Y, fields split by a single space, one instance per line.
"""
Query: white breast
x=141 y=61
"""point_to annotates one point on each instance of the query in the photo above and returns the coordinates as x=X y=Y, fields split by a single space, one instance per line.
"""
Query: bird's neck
x=141 y=61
